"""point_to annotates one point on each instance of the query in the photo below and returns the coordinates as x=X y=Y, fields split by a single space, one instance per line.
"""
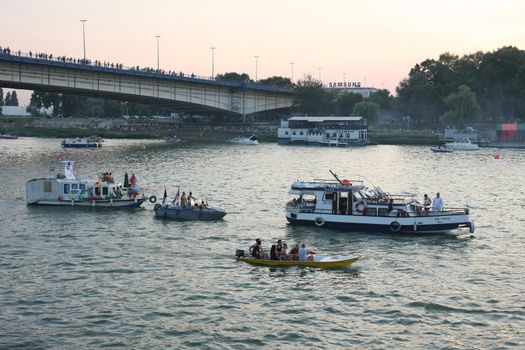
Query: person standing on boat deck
x=183 y=200
x=438 y=203
x=190 y=198
x=255 y=249
x=390 y=205
x=426 y=203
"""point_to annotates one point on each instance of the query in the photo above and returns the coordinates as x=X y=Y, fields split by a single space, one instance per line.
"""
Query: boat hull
x=416 y=224
x=178 y=213
x=81 y=145
x=329 y=263
x=110 y=203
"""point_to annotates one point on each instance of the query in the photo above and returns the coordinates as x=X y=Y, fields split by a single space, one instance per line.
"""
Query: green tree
x=463 y=108
x=311 y=98
x=14 y=99
x=367 y=109
x=1 y=100
x=383 y=99
x=232 y=76
x=344 y=102
x=277 y=81
x=7 y=99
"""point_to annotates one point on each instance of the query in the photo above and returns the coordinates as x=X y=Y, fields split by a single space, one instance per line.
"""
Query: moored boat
x=80 y=143
x=333 y=143
x=442 y=149
x=244 y=140
x=351 y=205
x=172 y=139
x=66 y=189
x=462 y=145
x=8 y=137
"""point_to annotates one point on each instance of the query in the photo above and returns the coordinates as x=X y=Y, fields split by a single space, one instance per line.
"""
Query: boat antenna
x=335 y=175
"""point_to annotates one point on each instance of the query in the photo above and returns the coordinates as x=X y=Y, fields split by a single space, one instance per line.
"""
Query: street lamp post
x=344 y=78
x=256 y=66
x=292 y=63
x=213 y=62
x=158 y=52
x=320 y=73
x=84 y=35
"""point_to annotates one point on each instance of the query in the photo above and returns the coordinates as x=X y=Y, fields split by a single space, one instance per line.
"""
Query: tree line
x=10 y=99
x=453 y=90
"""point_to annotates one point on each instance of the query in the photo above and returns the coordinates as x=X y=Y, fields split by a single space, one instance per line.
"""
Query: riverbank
x=157 y=129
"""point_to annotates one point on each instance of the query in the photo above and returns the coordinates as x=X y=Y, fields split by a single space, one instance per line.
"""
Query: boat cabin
x=329 y=197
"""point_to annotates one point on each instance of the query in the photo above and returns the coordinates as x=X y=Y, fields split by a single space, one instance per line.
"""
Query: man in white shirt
x=302 y=253
x=437 y=203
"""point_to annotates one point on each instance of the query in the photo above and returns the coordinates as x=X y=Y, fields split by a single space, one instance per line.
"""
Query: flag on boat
x=164 y=198
x=68 y=169
x=176 y=196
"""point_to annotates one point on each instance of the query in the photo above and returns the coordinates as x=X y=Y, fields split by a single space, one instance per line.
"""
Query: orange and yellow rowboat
x=319 y=261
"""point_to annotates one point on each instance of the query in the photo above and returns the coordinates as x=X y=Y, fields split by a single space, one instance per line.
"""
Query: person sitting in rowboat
x=294 y=253
x=256 y=249
x=304 y=254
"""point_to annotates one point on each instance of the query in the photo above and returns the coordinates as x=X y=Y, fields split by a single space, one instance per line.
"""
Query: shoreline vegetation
x=192 y=132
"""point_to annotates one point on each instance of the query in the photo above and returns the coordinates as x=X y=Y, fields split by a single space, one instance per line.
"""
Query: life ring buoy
x=319 y=221
x=152 y=199
x=395 y=226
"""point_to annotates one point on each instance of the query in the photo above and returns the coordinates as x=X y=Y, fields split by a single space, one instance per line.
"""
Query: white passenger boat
x=462 y=145
x=81 y=143
x=66 y=189
x=351 y=205
x=244 y=140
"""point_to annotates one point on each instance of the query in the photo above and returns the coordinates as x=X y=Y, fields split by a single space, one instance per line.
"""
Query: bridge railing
x=107 y=67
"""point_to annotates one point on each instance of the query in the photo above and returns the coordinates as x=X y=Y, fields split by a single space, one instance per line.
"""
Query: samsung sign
x=349 y=84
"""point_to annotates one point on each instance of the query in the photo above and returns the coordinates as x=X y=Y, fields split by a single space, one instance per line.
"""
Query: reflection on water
x=123 y=278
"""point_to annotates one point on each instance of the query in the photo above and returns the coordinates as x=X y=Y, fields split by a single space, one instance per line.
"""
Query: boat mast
x=335 y=175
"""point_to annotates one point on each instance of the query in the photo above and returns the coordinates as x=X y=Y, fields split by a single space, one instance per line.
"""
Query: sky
x=373 y=42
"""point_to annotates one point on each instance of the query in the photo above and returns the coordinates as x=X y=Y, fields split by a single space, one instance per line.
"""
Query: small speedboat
x=318 y=261
x=177 y=212
x=172 y=139
x=333 y=143
x=442 y=149
x=8 y=137
x=80 y=143
x=244 y=140
x=462 y=145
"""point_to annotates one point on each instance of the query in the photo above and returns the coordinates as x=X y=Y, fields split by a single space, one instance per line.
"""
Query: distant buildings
x=19 y=111
x=354 y=87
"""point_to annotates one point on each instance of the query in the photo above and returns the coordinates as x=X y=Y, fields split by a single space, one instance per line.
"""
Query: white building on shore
x=327 y=131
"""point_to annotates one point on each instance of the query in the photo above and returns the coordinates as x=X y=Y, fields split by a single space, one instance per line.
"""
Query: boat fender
x=319 y=221
x=395 y=226
x=152 y=199
x=472 y=227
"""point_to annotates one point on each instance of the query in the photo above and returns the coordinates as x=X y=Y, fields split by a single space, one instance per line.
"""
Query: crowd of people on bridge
x=98 y=63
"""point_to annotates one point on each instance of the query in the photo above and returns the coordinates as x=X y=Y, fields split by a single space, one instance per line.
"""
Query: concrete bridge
x=184 y=93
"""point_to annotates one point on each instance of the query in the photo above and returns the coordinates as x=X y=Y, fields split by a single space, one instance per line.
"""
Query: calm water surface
x=87 y=278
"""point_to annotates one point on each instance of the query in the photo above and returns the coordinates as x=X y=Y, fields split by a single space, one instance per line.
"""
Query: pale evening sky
x=378 y=40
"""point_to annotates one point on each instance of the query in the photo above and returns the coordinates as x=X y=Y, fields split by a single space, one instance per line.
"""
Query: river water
x=74 y=277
